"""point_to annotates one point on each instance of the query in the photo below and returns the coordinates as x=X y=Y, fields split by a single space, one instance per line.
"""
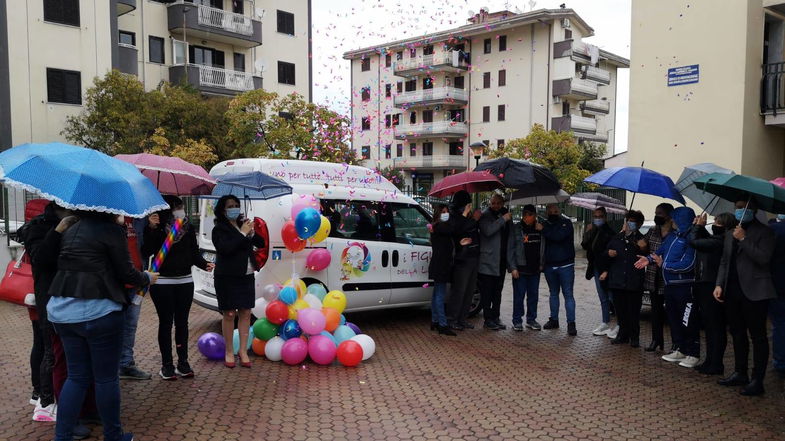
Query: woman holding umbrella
x=440 y=267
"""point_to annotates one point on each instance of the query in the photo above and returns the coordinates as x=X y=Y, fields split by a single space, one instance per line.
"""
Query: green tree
x=195 y=152
x=592 y=156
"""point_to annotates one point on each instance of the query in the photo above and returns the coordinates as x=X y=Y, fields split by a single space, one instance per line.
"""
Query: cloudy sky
x=343 y=25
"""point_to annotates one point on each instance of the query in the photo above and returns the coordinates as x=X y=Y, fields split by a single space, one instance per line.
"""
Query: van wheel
x=310 y=281
x=475 y=306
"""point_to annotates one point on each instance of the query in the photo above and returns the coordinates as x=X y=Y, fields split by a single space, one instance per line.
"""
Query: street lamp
x=477 y=149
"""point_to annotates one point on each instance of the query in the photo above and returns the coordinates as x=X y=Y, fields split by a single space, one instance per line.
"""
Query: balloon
x=343 y=319
x=297 y=284
x=290 y=239
x=300 y=304
x=332 y=318
x=311 y=321
x=290 y=329
x=312 y=301
x=354 y=328
x=292 y=314
x=307 y=222
x=272 y=350
x=330 y=336
x=263 y=329
x=236 y=340
x=367 y=343
x=317 y=289
x=321 y=349
x=259 y=306
x=257 y=346
x=277 y=312
x=270 y=292
x=350 y=353
x=324 y=230
x=303 y=201
x=343 y=333
x=335 y=299
x=318 y=259
x=288 y=295
x=212 y=345
x=295 y=350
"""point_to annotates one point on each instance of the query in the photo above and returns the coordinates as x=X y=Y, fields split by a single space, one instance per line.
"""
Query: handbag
x=17 y=282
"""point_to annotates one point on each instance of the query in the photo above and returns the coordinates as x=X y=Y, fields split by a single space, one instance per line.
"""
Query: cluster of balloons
x=307 y=224
x=296 y=322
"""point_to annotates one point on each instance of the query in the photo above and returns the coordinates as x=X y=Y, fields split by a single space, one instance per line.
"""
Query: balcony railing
x=579 y=125
x=772 y=91
x=576 y=50
x=596 y=107
x=575 y=88
x=445 y=162
x=202 y=22
x=224 y=78
x=437 y=95
x=443 y=60
x=595 y=74
x=441 y=128
x=228 y=21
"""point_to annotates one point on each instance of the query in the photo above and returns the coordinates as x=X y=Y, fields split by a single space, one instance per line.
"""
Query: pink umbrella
x=471 y=181
x=172 y=175
x=779 y=181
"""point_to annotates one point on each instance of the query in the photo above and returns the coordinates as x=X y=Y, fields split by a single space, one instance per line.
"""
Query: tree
x=592 y=155
x=195 y=152
x=393 y=175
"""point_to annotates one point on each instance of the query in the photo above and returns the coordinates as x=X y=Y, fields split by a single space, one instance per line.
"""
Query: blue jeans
x=777 y=315
x=525 y=286
x=129 y=334
x=605 y=298
x=92 y=351
x=437 y=304
x=564 y=279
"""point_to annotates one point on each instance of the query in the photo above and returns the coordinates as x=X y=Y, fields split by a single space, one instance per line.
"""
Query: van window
x=352 y=219
x=410 y=224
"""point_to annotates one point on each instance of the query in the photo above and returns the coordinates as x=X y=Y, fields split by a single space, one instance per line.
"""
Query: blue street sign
x=679 y=76
x=276 y=254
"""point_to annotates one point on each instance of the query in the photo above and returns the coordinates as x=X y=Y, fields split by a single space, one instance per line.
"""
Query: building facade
x=701 y=96
x=51 y=50
x=418 y=104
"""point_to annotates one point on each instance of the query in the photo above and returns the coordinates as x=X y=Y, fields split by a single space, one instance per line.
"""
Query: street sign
x=679 y=76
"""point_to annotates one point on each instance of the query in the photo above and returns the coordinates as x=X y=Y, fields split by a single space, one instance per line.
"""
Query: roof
x=618 y=60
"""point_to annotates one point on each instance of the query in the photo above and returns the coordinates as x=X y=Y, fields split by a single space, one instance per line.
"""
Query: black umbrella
x=516 y=173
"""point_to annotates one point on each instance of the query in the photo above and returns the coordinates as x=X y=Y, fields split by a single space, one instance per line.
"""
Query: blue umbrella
x=79 y=178
x=251 y=185
x=637 y=180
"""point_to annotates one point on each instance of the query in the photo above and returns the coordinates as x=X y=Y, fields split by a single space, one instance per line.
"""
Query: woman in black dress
x=234 y=240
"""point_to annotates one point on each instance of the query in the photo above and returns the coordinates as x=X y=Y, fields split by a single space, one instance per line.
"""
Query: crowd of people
x=727 y=280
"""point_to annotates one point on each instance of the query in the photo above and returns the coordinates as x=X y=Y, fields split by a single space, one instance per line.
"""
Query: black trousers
x=46 y=362
x=657 y=317
x=628 y=313
x=172 y=303
x=491 y=295
x=747 y=317
x=464 y=283
x=36 y=356
x=713 y=319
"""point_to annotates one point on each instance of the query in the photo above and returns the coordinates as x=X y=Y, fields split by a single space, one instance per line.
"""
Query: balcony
x=128 y=62
x=575 y=50
x=436 y=162
x=214 y=80
x=206 y=23
x=595 y=107
x=580 y=126
x=575 y=88
x=438 y=95
x=125 y=6
x=442 y=129
x=450 y=61
x=595 y=74
x=772 y=94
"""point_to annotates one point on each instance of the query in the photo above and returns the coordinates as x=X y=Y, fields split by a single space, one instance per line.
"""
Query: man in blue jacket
x=559 y=263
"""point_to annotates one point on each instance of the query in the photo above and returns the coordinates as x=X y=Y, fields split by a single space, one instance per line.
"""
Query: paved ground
x=480 y=385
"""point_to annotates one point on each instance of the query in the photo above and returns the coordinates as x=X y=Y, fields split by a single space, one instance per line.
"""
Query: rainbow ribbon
x=159 y=258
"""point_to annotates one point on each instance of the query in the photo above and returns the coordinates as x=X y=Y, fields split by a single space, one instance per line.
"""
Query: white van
x=377 y=231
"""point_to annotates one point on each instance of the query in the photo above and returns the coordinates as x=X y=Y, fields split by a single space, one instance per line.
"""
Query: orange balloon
x=257 y=346
x=333 y=319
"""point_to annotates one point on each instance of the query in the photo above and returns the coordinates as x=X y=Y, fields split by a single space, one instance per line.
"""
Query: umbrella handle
x=633 y=200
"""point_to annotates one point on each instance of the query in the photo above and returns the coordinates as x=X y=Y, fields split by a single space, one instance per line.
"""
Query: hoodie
x=678 y=261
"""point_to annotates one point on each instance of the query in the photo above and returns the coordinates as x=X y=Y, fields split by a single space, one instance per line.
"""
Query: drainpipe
x=144 y=66
x=548 y=98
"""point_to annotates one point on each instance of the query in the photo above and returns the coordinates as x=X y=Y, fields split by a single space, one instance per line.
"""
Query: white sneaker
x=35 y=401
x=45 y=414
x=674 y=356
x=601 y=330
x=689 y=361
x=30 y=299
x=613 y=332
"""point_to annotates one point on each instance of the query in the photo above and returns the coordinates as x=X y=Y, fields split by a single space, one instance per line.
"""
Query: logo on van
x=355 y=260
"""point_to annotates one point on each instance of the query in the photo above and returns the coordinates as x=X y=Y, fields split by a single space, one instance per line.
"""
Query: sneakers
x=168 y=373
x=689 y=361
x=133 y=373
x=184 y=370
x=674 y=356
x=533 y=325
x=551 y=324
x=45 y=414
x=127 y=437
x=517 y=327
x=491 y=325
x=601 y=330
x=81 y=431
x=34 y=399
x=612 y=332
x=571 y=329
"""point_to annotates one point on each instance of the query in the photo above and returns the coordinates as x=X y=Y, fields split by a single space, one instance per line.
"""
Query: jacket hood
x=683 y=217
x=460 y=199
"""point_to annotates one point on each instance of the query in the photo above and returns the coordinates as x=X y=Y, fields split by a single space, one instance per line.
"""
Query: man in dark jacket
x=777 y=306
x=595 y=241
x=559 y=263
x=466 y=238
x=525 y=250
x=494 y=233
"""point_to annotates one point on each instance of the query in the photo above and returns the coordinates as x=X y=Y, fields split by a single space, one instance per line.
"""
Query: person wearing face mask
x=595 y=241
x=525 y=249
x=440 y=266
x=652 y=281
x=559 y=266
x=777 y=306
x=709 y=251
x=745 y=285
x=466 y=242
x=174 y=292
x=617 y=266
x=494 y=234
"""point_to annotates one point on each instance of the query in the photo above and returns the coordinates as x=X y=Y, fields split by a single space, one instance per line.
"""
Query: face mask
x=179 y=214
x=233 y=213
x=598 y=222
x=781 y=217
x=717 y=230
x=553 y=218
x=744 y=215
x=659 y=220
x=632 y=226
x=444 y=217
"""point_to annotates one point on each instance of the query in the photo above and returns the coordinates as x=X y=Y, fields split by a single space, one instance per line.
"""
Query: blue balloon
x=291 y=329
x=288 y=295
x=327 y=334
x=343 y=320
x=236 y=340
x=343 y=333
x=317 y=289
x=307 y=222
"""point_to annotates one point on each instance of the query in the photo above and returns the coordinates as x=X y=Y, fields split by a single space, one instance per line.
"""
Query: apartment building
x=418 y=104
x=702 y=96
x=50 y=51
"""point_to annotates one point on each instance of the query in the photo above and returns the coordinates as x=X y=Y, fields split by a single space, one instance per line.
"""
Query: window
x=286 y=22
x=366 y=123
x=387 y=151
x=396 y=119
x=399 y=56
x=237 y=6
x=365 y=64
x=387 y=60
x=128 y=38
x=427 y=50
x=427 y=149
x=502 y=43
x=239 y=62
x=487 y=143
x=388 y=90
x=413 y=52
x=366 y=152
x=456 y=115
x=218 y=4
x=565 y=108
x=457 y=82
x=399 y=150
x=567 y=34
x=486 y=80
x=500 y=111
x=206 y=56
x=156 y=50
x=366 y=93
x=62 y=11
x=409 y=221
x=387 y=120
x=456 y=148
x=63 y=86
x=427 y=116
x=399 y=87
x=502 y=77
x=352 y=220
x=427 y=83
x=486 y=46
x=486 y=114
x=413 y=149
x=499 y=144
x=286 y=73
x=411 y=85
x=413 y=118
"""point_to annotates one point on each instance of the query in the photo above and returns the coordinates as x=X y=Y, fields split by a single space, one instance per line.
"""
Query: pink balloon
x=300 y=201
x=321 y=349
x=294 y=351
x=311 y=321
x=318 y=259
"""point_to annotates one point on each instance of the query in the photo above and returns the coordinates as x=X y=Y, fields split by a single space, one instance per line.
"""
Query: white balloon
x=258 y=309
x=313 y=301
x=366 y=342
x=272 y=350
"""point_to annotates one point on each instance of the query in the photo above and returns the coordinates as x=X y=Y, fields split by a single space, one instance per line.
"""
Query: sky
x=343 y=25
